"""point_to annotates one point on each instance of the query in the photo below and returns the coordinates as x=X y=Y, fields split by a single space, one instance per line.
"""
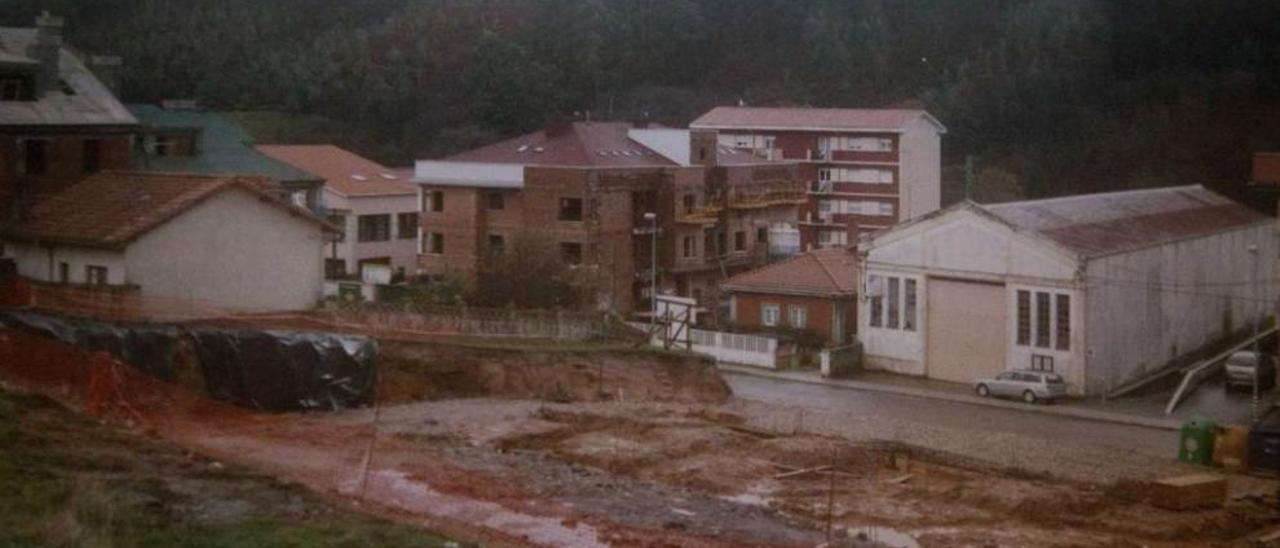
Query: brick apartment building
x=58 y=121
x=814 y=291
x=867 y=169
x=586 y=187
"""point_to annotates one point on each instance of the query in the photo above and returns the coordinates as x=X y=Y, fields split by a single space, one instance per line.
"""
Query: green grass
x=54 y=501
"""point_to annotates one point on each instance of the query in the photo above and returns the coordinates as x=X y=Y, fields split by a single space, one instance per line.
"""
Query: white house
x=376 y=207
x=1100 y=288
x=211 y=240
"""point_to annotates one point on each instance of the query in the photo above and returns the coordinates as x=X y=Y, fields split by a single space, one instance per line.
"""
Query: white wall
x=403 y=252
x=41 y=263
x=232 y=251
x=1147 y=307
x=920 y=169
x=896 y=350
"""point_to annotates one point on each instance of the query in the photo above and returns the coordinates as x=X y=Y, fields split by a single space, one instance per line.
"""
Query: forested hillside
x=1050 y=96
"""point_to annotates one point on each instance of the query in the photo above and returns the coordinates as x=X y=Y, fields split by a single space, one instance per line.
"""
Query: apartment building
x=604 y=193
x=866 y=169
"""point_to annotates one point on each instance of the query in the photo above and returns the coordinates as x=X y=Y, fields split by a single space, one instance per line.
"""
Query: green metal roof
x=223 y=147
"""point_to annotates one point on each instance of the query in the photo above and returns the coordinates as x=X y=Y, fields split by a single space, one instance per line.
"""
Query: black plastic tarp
x=281 y=370
x=263 y=369
x=149 y=347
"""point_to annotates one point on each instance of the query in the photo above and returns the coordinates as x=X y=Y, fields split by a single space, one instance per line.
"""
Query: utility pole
x=968 y=176
x=1257 y=356
x=653 y=270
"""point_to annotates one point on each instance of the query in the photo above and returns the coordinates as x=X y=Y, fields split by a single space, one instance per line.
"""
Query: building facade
x=1102 y=289
x=866 y=169
x=814 y=291
x=586 y=187
x=194 y=240
x=375 y=206
x=58 y=121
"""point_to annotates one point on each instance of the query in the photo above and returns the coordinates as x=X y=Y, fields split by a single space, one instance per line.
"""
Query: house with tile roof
x=614 y=197
x=814 y=291
x=1101 y=289
x=178 y=136
x=218 y=241
x=867 y=169
x=375 y=206
x=59 y=118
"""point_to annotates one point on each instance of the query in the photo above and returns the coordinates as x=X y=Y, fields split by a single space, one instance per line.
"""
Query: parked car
x=1241 y=368
x=1029 y=386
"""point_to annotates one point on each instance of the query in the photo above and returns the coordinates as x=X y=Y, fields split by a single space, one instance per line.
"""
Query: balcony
x=760 y=200
x=706 y=215
x=821 y=187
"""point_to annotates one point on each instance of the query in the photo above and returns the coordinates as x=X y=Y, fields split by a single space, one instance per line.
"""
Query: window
x=433 y=201
x=687 y=201
x=64 y=273
x=769 y=315
x=798 y=316
x=1043 y=318
x=762 y=235
x=33 y=156
x=1041 y=363
x=373 y=228
x=339 y=221
x=876 y=310
x=571 y=252
x=1024 y=317
x=335 y=268
x=497 y=244
x=162 y=145
x=495 y=201
x=739 y=241
x=17 y=88
x=909 y=304
x=722 y=243
x=1063 y=319
x=407 y=225
x=91 y=155
x=687 y=243
x=433 y=244
x=892 y=321
x=95 y=275
x=570 y=209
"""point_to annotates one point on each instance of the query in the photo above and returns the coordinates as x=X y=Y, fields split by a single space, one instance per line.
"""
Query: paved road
x=979 y=420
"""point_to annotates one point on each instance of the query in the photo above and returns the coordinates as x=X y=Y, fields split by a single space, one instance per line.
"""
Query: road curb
x=1058 y=410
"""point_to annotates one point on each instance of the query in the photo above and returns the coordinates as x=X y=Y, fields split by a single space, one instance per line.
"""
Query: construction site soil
x=547 y=451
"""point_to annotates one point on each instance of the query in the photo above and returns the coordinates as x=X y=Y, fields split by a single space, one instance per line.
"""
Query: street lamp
x=652 y=218
x=1257 y=356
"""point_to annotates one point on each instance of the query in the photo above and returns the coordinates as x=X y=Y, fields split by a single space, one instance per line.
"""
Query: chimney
x=47 y=50
x=107 y=69
x=703 y=147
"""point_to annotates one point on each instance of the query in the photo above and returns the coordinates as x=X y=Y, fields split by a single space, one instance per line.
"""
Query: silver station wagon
x=1028 y=386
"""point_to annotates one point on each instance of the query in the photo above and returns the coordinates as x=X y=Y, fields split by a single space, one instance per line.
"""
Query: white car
x=1029 y=386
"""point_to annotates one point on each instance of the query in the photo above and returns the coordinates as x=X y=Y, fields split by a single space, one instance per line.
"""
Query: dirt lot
x=541 y=455
x=66 y=480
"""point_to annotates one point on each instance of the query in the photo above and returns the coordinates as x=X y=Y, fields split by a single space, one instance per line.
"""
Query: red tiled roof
x=1100 y=224
x=829 y=272
x=585 y=144
x=344 y=172
x=111 y=209
x=880 y=119
x=1266 y=168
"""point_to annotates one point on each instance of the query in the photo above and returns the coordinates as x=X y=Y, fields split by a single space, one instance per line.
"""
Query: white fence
x=737 y=348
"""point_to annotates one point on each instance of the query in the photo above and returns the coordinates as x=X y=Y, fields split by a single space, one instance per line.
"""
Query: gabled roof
x=574 y=144
x=90 y=103
x=344 y=172
x=813 y=119
x=826 y=272
x=223 y=147
x=1112 y=222
x=111 y=209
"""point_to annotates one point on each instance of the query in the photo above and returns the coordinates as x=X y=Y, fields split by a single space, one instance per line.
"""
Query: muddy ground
x=66 y=480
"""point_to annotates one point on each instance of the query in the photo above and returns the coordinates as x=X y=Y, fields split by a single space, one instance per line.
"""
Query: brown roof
x=344 y=172
x=1266 y=168
x=111 y=209
x=1101 y=224
x=819 y=119
x=827 y=272
x=585 y=144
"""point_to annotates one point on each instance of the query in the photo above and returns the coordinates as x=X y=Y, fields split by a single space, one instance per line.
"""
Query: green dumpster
x=1196 y=440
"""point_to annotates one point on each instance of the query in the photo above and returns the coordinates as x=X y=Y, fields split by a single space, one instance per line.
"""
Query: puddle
x=885 y=536
x=749 y=499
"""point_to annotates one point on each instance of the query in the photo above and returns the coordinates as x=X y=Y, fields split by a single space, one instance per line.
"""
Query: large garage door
x=967 y=330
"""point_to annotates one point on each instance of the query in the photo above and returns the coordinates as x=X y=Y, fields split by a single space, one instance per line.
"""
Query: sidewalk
x=952 y=392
